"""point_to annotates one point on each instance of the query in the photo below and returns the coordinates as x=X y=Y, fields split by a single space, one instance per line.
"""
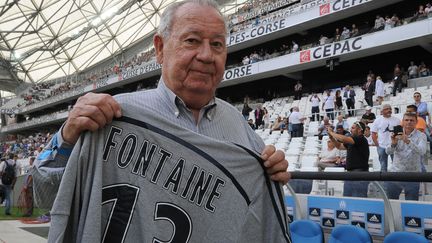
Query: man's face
x=409 y=122
x=193 y=56
x=386 y=112
x=355 y=130
x=417 y=98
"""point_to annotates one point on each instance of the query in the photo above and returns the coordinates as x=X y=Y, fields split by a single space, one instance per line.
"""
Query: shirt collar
x=176 y=102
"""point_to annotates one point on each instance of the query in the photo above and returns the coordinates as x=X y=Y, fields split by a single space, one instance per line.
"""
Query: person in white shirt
x=379 y=90
x=315 y=107
x=345 y=33
x=329 y=157
x=296 y=120
x=381 y=133
x=368 y=136
x=329 y=104
x=412 y=70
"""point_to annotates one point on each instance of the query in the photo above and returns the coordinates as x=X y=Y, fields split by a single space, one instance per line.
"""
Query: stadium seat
x=402 y=237
x=306 y=231
x=349 y=234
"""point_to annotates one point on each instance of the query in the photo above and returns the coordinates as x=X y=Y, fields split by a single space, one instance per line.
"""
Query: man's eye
x=191 y=41
x=217 y=44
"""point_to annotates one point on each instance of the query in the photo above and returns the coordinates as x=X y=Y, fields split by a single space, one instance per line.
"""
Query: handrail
x=364 y=176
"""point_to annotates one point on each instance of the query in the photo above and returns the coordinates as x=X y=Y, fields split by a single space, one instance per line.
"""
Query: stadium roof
x=44 y=39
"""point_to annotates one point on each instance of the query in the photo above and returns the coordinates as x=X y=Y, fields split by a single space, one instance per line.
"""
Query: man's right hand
x=90 y=112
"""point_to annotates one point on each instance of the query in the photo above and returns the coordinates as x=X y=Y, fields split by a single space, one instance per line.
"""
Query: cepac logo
x=305 y=56
x=325 y=9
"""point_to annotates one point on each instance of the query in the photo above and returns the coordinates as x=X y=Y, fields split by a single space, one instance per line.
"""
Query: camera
x=397 y=130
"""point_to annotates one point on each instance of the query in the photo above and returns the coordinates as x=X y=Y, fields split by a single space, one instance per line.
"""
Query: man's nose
x=205 y=53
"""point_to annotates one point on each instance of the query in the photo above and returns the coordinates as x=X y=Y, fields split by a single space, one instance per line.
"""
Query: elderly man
x=408 y=149
x=381 y=129
x=190 y=45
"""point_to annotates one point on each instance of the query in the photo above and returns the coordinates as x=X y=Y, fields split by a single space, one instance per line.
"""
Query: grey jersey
x=163 y=183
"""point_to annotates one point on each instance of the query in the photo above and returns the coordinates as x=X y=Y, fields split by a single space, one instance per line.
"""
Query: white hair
x=166 y=21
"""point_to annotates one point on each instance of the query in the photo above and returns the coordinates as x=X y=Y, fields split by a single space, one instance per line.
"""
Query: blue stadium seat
x=306 y=231
x=402 y=237
x=349 y=234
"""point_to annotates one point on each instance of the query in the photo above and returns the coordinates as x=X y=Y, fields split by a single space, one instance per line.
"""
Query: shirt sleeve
x=48 y=170
x=422 y=109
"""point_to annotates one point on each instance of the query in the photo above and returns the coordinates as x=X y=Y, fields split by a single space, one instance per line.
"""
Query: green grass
x=16 y=214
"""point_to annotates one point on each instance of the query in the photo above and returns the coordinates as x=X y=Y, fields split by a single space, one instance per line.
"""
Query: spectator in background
x=349 y=96
x=428 y=8
x=396 y=20
x=322 y=129
x=423 y=70
x=266 y=119
x=329 y=157
x=357 y=157
x=422 y=107
x=421 y=123
x=323 y=40
x=420 y=14
x=397 y=80
x=277 y=124
x=341 y=122
x=340 y=130
x=379 y=90
x=296 y=120
x=337 y=35
x=246 y=111
x=388 y=23
x=379 y=23
x=413 y=70
x=251 y=124
x=368 y=136
x=295 y=47
x=259 y=114
x=368 y=116
x=354 y=31
x=369 y=88
x=408 y=149
x=245 y=60
x=329 y=104
x=423 y=112
x=422 y=127
x=381 y=134
x=345 y=33
x=298 y=90
x=315 y=100
x=338 y=102
x=9 y=171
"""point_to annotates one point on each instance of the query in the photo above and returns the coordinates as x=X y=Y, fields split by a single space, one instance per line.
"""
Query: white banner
x=303 y=15
x=260 y=11
x=239 y=72
x=136 y=71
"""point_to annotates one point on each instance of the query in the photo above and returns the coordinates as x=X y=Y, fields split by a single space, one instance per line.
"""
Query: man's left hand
x=276 y=164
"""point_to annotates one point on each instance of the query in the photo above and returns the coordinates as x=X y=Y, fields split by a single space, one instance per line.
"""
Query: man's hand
x=276 y=164
x=90 y=112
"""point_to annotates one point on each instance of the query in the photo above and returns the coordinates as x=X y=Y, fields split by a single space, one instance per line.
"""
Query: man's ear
x=158 y=44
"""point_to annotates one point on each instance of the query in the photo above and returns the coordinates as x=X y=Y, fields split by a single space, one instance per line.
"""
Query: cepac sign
x=339 y=5
x=333 y=49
